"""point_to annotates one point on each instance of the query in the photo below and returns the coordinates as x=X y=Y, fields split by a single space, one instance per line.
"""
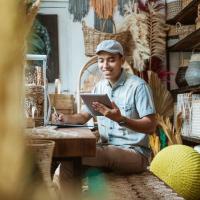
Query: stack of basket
x=173 y=8
x=64 y=103
x=34 y=97
x=189 y=105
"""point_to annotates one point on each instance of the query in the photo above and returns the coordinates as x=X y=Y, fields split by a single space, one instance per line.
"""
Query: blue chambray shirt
x=134 y=98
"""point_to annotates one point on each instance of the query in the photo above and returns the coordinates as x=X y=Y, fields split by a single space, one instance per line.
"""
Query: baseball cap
x=111 y=46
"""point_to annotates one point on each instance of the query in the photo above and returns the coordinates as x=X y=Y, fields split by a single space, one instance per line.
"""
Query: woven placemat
x=143 y=186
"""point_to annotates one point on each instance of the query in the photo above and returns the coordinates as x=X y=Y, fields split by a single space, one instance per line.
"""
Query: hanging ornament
x=121 y=4
x=79 y=9
x=104 y=8
x=103 y=25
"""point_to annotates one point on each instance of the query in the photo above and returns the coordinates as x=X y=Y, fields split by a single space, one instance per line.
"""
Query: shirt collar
x=120 y=81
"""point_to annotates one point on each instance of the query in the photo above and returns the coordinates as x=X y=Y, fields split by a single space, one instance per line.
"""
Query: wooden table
x=73 y=145
x=78 y=142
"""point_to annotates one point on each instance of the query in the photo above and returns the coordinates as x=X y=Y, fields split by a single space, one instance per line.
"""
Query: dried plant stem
x=15 y=170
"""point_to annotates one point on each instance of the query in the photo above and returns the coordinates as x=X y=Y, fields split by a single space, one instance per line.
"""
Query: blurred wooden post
x=16 y=180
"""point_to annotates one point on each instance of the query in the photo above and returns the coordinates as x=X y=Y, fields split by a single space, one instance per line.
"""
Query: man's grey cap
x=111 y=46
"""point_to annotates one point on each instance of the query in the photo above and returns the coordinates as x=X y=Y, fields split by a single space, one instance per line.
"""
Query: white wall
x=71 y=46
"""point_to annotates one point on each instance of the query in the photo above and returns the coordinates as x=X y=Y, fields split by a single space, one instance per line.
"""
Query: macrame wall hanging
x=104 y=8
x=103 y=25
x=79 y=9
x=121 y=4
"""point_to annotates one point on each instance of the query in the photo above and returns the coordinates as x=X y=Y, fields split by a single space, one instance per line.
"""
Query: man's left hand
x=111 y=113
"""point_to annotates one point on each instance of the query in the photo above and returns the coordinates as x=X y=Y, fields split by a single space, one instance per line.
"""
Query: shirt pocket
x=128 y=110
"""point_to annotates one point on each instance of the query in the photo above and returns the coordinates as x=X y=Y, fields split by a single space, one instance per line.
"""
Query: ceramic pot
x=180 y=77
x=192 y=74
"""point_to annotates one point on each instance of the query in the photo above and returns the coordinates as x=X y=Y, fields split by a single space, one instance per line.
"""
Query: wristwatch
x=122 y=122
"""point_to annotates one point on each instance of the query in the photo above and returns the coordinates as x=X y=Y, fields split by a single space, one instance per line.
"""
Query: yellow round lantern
x=179 y=167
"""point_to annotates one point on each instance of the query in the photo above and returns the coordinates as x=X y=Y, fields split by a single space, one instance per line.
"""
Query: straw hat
x=179 y=167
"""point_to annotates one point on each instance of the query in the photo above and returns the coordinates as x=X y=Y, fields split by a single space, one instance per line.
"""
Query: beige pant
x=120 y=160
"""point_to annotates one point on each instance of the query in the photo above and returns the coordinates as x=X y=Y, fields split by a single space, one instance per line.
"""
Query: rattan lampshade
x=179 y=167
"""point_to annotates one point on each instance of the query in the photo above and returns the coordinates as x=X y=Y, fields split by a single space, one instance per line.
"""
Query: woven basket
x=185 y=3
x=173 y=8
x=172 y=31
x=196 y=116
x=43 y=150
x=93 y=37
x=184 y=30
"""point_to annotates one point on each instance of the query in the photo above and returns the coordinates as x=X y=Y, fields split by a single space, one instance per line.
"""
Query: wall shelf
x=186 y=89
x=192 y=139
x=188 y=43
x=194 y=89
x=187 y=15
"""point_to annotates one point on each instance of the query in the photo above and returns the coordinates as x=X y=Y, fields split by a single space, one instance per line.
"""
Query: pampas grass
x=148 y=31
x=16 y=180
x=137 y=24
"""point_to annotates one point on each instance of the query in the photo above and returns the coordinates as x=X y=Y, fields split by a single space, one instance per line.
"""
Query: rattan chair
x=90 y=75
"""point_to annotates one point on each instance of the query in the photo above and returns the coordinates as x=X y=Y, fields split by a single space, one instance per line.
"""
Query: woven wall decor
x=104 y=8
x=79 y=9
x=104 y=25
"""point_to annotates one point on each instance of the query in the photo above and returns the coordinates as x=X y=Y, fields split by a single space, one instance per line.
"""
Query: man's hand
x=57 y=117
x=111 y=113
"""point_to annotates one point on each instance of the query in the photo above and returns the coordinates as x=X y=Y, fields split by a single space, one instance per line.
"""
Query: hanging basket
x=93 y=37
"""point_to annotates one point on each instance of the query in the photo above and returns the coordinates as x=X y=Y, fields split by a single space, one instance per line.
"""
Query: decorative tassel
x=121 y=4
x=79 y=9
x=104 y=8
x=99 y=23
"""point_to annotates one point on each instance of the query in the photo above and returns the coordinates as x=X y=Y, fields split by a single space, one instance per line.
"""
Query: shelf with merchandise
x=187 y=15
x=36 y=89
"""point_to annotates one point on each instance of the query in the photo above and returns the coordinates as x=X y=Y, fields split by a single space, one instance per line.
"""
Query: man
x=125 y=127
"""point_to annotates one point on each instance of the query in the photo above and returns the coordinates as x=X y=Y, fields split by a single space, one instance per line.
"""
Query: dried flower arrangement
x=164 y=107
x=148 y=29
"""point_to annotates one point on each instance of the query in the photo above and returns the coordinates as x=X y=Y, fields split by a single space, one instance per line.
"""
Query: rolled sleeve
x=144 y=100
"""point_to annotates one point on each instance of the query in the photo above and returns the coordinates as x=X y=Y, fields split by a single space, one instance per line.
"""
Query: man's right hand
x=57 y=117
